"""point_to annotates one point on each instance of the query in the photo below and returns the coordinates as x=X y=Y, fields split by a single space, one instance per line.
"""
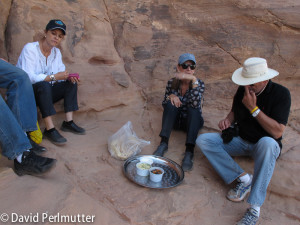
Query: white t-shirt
x=36 y=65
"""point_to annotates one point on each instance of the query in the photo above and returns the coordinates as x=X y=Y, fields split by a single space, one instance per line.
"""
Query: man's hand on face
x=249 y=99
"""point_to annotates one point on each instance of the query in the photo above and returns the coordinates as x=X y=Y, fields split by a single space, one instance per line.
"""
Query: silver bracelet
x=52 y=77
x=255 y=113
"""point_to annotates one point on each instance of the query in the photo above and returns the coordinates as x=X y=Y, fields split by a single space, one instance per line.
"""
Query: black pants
x=172 y=120
x=47 y=94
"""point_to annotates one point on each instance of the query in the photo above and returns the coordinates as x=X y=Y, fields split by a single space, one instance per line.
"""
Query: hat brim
x=240 y=80
x=60 y=29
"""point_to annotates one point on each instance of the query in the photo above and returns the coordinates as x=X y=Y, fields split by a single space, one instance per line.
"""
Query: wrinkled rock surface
x=125 y=51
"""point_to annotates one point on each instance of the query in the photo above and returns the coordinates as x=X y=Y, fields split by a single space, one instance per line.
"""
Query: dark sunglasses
x=185 y=66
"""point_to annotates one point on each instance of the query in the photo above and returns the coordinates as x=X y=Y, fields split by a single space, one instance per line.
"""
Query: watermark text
x=46 y=218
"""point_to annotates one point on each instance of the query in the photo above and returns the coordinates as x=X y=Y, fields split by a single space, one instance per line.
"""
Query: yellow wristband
x=253 y=110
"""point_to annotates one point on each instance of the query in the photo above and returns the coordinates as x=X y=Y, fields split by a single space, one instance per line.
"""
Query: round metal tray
x=172 y=177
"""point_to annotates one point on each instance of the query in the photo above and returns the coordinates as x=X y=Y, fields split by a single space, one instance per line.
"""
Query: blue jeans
x=264 y=153
x=18 y=115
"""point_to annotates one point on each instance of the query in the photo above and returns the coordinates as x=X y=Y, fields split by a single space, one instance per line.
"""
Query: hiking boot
x=240 y=191
x=72 y=127
x=161 y=149
x=36 y=148
x=55 y=137
x=187 y=162
x=33 y=164
x=250 y=217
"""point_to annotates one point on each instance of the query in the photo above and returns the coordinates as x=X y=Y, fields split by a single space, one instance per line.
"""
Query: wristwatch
x=255 y=113
x=195 y=83
x=52 y=77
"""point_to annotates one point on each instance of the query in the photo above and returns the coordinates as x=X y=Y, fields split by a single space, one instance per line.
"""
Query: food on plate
x=156 y=171
x=144 y=166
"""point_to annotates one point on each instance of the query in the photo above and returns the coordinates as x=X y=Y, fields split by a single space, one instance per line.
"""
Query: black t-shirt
x=274 y=101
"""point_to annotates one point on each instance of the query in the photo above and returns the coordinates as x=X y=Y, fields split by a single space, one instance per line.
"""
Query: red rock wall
x=115 y=43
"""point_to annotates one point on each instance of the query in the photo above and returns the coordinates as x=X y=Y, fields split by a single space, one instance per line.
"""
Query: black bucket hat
x=56 y=24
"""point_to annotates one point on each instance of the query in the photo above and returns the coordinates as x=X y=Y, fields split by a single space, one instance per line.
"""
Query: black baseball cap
x=56 y=24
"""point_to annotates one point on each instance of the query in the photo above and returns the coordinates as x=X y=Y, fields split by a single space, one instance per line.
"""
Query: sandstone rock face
x=125 y=51
x=4 y=12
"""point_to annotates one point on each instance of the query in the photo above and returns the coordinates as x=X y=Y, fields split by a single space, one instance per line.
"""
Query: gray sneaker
x=161 y=149
x=250 y=217
x=240 y=191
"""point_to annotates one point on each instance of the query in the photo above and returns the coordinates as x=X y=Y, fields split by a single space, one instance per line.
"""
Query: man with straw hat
x=259 y=113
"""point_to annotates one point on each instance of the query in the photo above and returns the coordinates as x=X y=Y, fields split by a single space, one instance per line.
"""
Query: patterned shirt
x=192 y=97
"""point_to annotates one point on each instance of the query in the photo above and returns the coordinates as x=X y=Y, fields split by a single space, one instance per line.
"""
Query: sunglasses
x=185 y=66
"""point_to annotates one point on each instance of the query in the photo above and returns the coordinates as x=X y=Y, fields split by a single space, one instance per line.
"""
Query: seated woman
x=42 y=61
x=182 y=108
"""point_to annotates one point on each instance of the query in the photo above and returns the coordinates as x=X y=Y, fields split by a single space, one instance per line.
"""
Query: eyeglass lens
x=185 y=66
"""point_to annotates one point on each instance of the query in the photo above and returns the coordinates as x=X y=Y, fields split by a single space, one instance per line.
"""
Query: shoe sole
x=239 y=199
x=187 y=170
x=71 y=131
x=53 y=142
x=39 y=152
x=21 y=172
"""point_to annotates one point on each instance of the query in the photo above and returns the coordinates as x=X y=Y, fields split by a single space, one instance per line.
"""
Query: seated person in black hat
x=260 y=109
x=182 y=108
x=43 y=63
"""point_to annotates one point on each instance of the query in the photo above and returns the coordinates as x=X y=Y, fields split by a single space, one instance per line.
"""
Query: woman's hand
x=185 y=76
x=74 y=80
x=62 y=75
x=175 y=100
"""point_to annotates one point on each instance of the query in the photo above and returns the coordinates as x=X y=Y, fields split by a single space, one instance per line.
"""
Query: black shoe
x=161 y=149
x=33 y=164
x=72 y=128
x=187 y=162
x=54 y=137
x=36 y=148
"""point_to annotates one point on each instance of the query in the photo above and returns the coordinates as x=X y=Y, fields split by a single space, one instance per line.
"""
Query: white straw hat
x=254 y=70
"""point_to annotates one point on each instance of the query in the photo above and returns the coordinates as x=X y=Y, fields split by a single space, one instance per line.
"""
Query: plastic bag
x=36 y=135
x=125 y=143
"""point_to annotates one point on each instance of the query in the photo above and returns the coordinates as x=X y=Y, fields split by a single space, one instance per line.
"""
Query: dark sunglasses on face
x=185 y=66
